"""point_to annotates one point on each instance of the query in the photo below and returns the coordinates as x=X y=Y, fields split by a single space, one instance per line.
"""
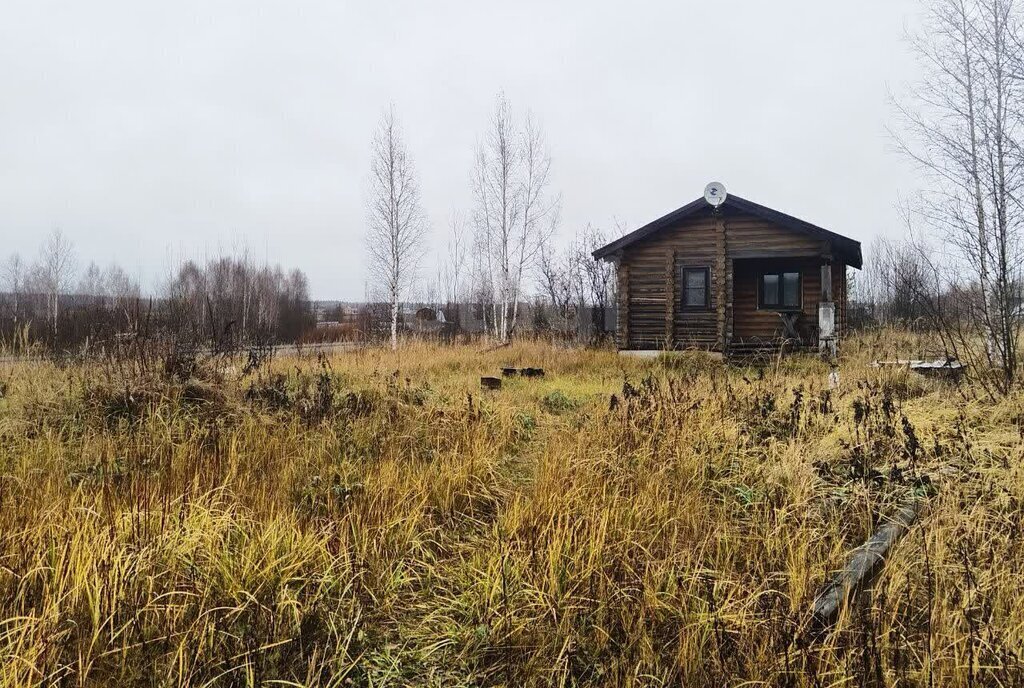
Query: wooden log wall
x=752 y=235
x=730 y=300
x=720 y=281
x=651 y=312
x=695 y=247
x=657 y=317
x=647 y=293
x=673 y=285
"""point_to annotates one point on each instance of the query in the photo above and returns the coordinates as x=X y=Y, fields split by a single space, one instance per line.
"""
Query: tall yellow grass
x=376 y=520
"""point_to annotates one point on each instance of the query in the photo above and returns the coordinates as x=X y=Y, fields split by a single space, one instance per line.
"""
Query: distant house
x=736 y=278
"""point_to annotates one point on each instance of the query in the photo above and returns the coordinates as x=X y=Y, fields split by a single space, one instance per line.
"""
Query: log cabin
x=735 y=277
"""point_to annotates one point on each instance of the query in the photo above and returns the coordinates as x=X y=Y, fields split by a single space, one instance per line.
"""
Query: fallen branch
x=864 y=564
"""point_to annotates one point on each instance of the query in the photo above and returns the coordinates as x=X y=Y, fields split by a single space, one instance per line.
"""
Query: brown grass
x=374 y=519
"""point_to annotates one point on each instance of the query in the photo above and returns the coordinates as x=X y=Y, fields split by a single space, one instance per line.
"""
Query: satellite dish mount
x=714 y=194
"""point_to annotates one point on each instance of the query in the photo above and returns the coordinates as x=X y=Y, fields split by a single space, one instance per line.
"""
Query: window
x=696 y=289
x=779 y=291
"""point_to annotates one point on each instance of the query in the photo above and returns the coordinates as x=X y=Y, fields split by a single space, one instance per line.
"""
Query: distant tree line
x=221 y=303
x=229 y=302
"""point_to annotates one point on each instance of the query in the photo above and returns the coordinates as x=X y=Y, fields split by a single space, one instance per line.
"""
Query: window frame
x=706 y=271
x=781 y=307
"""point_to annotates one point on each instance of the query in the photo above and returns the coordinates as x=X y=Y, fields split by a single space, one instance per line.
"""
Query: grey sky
x=152 y=130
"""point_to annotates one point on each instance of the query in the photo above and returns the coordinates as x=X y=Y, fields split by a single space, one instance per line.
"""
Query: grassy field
x=374 y=519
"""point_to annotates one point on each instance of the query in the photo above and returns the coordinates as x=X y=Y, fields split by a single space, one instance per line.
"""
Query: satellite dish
x=714 y=194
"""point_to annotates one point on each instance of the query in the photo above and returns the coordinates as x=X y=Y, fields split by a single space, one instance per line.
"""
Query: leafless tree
x=263 y=301
x=896 y=277
x=513 y=212
x=453 y=269
x=185 y=295
x=962 y=126
x=293 y=313
x=572 y=282
x=92 y=282
x=123 y=293
x=396 y=226
x=55 y=270
x=599 y=275
x=14 y=276
x=560 y=281
x=119 y=285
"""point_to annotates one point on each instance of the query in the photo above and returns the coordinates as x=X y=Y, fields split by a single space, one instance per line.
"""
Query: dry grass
x=376 y=520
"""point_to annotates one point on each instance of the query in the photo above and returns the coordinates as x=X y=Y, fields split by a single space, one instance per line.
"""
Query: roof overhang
x=843 y=248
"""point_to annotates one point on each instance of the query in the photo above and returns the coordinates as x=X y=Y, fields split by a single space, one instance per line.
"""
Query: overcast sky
x=148 y=131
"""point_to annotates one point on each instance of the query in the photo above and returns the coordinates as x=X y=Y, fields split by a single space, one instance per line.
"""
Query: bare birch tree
x=453 y=269
x=92 y=282
x=14 y=275
x=396 y=226
x=124 y=293
x=54 y=271
x=963 y=128
x=513 y=213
